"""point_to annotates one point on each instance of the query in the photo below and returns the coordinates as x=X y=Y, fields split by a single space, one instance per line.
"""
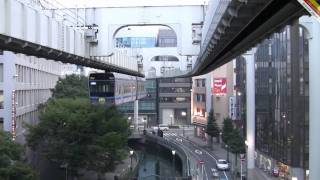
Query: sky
x=126 y=3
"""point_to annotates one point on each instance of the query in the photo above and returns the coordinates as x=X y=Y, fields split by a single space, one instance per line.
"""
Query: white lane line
x=225 y=175
x=205 y=171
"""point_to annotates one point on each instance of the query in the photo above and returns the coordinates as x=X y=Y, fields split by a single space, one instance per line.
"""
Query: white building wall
x=31 y=79
x=110 y=20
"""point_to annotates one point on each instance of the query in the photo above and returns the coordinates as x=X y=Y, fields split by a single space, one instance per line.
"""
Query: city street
x=205 y=161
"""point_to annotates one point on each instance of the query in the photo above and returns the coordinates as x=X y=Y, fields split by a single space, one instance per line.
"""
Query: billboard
x=312 y=6
x=219 y=86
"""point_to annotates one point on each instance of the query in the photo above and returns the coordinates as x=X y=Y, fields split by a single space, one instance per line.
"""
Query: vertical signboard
x=13 y=115
x=312 y=6
x=219 y=86
x=233 y=108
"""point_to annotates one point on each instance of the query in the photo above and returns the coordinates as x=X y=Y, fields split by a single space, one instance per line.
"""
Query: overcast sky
x=125 y=3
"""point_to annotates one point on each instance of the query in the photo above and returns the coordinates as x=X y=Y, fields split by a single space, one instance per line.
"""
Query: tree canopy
x=236 y=142
x=212 y=127
x=227 y=130
x=75 y=133
x=71 y=86
x=11 y=165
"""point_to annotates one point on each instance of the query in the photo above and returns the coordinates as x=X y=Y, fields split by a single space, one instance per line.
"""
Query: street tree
x=212 y=128
x=227 y=130
x=71 y=86
x=77 y=135
x=236 y=144
x=12 y=166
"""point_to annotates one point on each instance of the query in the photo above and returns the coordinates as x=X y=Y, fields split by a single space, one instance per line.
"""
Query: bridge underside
x=241 y=27
x=32 y=49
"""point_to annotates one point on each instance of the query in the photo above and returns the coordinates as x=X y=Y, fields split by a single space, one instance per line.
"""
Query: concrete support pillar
x=250 y=95
x=136 y=113
x=313 y=27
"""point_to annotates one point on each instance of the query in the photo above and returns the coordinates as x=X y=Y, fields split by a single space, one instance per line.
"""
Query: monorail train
x=114 y=88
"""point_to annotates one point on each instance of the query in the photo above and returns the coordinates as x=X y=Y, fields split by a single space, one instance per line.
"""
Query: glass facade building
x=282 y=98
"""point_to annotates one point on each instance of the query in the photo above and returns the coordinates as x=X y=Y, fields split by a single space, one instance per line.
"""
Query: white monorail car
x=114 y=88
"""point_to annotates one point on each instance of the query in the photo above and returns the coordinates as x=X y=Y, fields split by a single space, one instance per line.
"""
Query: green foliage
x=212 y=127
x=11 y=165
x=227 y=130
x=71 y=86
x=236 y=142
x=76 y=133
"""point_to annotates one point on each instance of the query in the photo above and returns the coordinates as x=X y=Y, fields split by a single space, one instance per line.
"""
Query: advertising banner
x=219 y=86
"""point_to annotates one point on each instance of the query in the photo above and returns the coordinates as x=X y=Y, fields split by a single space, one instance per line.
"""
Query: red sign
x=219 y=86
x=313 y=6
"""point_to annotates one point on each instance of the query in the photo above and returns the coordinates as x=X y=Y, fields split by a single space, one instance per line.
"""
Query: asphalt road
x=197 y=154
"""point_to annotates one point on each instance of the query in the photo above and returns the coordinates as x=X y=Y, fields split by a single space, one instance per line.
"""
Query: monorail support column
x=250 y=95
x=136 y=114
x=313 y=28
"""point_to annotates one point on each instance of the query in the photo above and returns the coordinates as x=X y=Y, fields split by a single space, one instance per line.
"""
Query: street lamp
x=227 y=152
x=220 y=137
x=131 y=154
x=247 y=144
x=183 y=114
x=174 y=165
x=171 y=116
x=144 y=124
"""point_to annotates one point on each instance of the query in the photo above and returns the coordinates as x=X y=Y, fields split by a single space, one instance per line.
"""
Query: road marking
x=224 y=172
x=179 y=139
x=198 y=151
x=205 y=171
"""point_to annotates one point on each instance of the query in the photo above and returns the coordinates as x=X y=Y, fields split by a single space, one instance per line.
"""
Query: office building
x=282 y=102
x=25 y=82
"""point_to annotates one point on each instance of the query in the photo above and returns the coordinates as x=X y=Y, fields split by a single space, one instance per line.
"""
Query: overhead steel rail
x=33 y=49
x=242 y=26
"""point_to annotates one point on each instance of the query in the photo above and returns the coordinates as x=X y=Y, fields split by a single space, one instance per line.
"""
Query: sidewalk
x=218 y=151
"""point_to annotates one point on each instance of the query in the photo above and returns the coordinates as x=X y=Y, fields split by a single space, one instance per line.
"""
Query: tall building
x=282 y=98
x=174 y=101
x=25 y=82
x=214 y=91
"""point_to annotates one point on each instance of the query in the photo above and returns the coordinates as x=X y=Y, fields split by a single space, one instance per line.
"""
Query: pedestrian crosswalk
x=169 y=134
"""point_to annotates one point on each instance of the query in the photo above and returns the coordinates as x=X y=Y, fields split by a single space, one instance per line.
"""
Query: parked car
x=222 y=164
x=162 y=127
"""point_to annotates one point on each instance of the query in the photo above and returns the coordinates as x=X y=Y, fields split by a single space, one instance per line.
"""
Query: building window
x=203 y=82
x=1 y=99
x=203 y=96
x=198 y=98
x=197 y=80
x=1 y=123
x=1 y=72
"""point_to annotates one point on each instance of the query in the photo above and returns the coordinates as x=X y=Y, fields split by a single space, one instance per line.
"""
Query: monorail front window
x=101 y=88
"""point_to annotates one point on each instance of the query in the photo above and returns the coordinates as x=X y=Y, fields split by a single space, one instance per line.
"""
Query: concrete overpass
x=66 y=37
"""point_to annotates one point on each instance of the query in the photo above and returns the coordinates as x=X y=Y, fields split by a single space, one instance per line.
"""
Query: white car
x=222 y=164
x=163 y=127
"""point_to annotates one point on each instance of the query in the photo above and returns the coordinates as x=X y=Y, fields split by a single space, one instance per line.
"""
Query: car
x=222 y=164
x=162 y=127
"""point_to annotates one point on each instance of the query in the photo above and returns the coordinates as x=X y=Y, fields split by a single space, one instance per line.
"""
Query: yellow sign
x=312 y=6
x=102 y=100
